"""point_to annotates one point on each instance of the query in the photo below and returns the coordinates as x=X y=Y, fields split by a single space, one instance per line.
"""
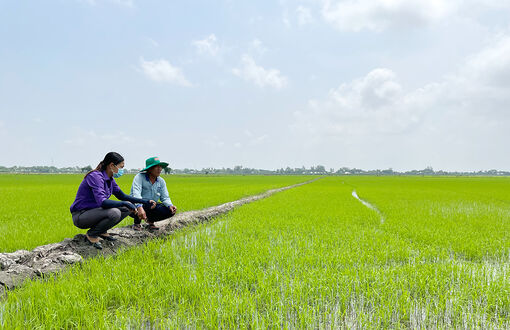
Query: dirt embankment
x=16 y=267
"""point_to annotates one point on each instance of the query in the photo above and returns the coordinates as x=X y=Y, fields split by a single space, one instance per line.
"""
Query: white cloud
x=492 y=65
x=162 y=71
x=464 y=106
x=208 y=45
x=285 y=19
x=260 y=76
x=304 y=15
x=257 y=46
x=374 y=103
x=377 y=15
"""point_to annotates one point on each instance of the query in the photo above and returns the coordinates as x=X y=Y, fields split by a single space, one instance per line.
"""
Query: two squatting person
x=92 y=209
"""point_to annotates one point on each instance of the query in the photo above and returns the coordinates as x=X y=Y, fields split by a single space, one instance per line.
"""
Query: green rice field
x=35 y=208
x=435 y=253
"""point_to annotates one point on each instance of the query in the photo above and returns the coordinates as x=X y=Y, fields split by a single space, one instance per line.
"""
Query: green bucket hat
x=153 y=161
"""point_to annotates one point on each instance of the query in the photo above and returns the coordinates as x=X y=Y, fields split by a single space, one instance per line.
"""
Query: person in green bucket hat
x=150 y=183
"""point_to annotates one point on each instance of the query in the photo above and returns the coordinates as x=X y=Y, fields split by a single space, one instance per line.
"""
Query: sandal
x=151 y=226
x=137 y=227
x=108 y=237
x=97 y=245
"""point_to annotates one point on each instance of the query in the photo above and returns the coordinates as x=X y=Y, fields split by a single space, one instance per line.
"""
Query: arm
x=109 y=204
x=164 y=197
x=126 y=200
x=123 y=197
x=136 y=188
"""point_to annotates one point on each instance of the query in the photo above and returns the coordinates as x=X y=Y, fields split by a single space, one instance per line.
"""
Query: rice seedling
x=35 y=208
x=310 y=257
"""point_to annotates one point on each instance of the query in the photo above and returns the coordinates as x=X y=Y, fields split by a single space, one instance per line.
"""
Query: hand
x=153 y=204
x=173 y=209
x=141 y=213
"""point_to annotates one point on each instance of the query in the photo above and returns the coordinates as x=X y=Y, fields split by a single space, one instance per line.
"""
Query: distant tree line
x=240 y=170
x=321 y=170
x=50 y=169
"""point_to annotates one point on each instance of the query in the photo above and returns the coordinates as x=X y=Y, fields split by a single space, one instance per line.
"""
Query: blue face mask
x=119 y=173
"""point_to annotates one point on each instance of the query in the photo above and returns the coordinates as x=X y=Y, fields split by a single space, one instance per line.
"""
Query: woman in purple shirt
x=92 y=207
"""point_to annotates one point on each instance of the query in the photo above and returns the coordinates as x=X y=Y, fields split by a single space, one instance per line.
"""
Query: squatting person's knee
x=124 y=210
x=114 y=214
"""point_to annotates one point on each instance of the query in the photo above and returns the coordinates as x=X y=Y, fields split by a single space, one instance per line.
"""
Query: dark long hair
x=111 y=157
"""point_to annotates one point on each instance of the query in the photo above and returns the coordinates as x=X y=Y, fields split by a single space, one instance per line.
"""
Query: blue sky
x=371 y=84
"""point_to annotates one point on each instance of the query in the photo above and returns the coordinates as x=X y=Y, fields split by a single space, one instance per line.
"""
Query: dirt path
x=16 y=267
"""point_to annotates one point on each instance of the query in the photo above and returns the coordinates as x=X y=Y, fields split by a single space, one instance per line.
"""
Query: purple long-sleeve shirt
x=93 y=190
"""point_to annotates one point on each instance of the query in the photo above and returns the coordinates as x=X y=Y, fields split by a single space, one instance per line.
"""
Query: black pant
x=160 y=212
x=99 y=220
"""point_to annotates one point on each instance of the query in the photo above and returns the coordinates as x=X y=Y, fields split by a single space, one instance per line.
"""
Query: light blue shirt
x=143 y=188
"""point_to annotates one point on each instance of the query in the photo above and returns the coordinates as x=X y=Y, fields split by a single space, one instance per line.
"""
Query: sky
x=371 y=84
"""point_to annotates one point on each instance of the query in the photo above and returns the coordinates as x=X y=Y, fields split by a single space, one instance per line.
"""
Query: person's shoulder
x=95 y=175
x=160 y=179
x=139 y=178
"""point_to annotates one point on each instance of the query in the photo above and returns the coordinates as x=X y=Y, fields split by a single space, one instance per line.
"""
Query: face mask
x=119 y=173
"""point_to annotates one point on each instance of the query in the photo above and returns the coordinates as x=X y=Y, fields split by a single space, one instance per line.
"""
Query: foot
x=151 y=226
x=94 y=241
x=137 y=227
x=107 y=237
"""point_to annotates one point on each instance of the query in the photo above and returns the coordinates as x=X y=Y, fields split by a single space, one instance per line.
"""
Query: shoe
x=108 y=238
x=137 y=227
x=97 y=245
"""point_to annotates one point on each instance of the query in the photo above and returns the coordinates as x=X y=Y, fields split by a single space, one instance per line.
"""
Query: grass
x=35 y=208
x=310 y=257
